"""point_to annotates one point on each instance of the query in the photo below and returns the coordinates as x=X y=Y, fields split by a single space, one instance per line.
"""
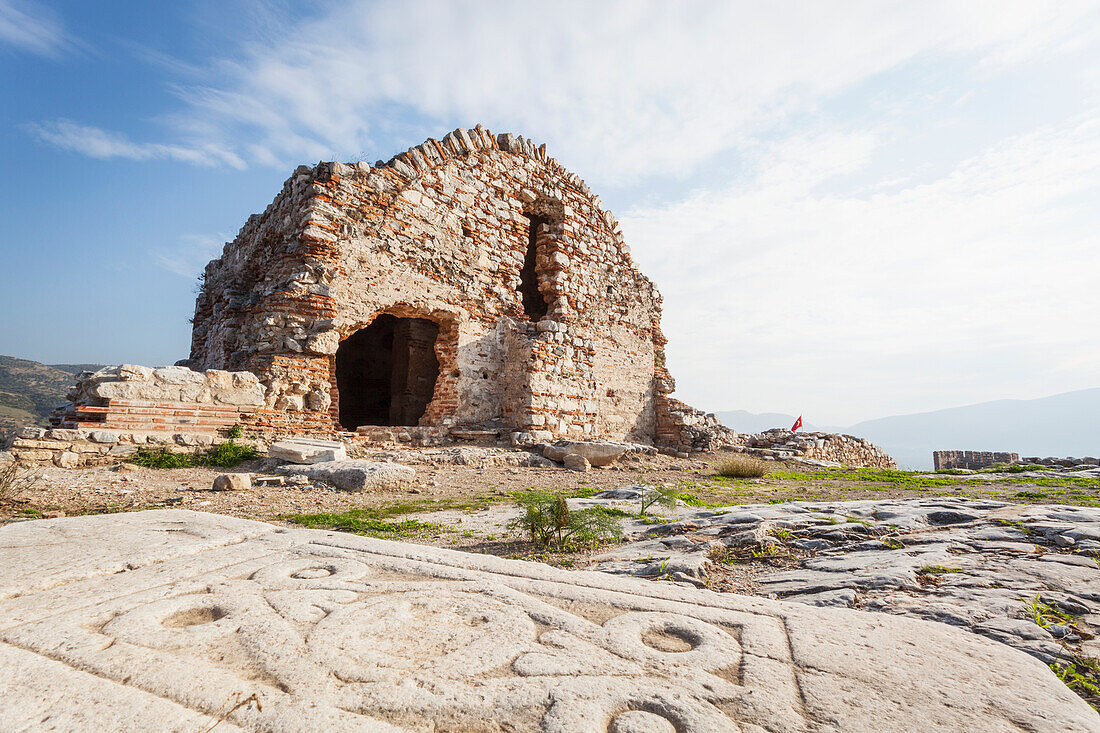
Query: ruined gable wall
x=440 y=233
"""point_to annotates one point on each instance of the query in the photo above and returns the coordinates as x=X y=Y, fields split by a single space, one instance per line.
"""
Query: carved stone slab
x=164 y=620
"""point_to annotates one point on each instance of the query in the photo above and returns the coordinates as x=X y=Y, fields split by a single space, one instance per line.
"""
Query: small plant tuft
x=740 y=466
x=235 y=432
x=666 y=496
x=13 y=481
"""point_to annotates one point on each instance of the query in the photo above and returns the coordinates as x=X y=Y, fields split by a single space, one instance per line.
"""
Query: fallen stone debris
x=177 y=620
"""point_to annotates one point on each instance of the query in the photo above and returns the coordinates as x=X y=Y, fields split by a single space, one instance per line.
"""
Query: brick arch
x=444 y=399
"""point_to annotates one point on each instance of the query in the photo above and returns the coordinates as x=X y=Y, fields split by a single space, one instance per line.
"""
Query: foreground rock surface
x=161 y=619
x=985 y=566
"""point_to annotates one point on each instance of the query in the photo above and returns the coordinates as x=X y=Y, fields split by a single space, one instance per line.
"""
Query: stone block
x=576 y=462
x=308 y=451
x=598 y=453
x=232 y=482
x=355 y=474
x=67 y=459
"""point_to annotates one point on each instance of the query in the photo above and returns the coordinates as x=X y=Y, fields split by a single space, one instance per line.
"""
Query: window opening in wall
x=534 y=303
x=386 y=372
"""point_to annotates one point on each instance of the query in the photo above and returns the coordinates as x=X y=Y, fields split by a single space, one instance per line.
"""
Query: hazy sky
x=852 y=209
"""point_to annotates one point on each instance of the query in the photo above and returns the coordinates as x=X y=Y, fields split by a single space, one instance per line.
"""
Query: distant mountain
x=1066 y=424
x=1063 y=425
x=29 y=391
x=748 y=422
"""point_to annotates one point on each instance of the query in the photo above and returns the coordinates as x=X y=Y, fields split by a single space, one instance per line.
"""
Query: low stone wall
x=1068 y=462
x=844 y=449
x=76 y=448
x=970 y=459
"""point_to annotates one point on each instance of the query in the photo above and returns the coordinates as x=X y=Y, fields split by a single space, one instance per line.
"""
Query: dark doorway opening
x=534 y=303
x=386 y=372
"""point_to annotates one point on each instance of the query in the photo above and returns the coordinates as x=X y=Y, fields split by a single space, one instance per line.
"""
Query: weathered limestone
x=355 y=474
x=597 y=453
x=167 y=384
x=164 y=619
x=304 y=450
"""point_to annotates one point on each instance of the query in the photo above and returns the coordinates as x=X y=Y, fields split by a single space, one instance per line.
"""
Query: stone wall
x=970 y=459
x=544 y=324
x=76 y=448
x=847 y=450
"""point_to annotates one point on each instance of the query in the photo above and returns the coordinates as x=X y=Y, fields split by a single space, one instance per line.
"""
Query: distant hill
x=29 y=391
x=1062 y=425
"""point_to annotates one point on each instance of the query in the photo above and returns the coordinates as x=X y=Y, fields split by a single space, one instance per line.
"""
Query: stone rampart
x=944 y=460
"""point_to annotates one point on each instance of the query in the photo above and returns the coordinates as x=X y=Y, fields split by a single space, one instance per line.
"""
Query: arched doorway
x=386 y=372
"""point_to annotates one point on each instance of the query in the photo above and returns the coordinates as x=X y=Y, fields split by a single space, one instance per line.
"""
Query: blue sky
x=852 y=209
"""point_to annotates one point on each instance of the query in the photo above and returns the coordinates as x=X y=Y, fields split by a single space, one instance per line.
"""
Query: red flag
x=797 y=424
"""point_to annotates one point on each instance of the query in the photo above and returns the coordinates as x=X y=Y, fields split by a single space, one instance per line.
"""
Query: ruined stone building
x=469 y=283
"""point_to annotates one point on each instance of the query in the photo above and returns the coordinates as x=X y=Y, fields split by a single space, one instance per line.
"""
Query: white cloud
x=782 y=294
x=30 y=29
x=190 y=255
x=98 y=143
x=620 y=89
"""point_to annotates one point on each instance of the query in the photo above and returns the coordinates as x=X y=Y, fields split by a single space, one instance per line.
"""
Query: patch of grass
x=225 y=455
x=358 y=521
x=740 y=466
x=610 y=511
x=893 y=543
x=898 y=479
x=1082 y=675
x=937 y=570
x=1030 y=495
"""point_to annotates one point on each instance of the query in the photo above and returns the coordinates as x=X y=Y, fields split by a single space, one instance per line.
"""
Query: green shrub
x=549 y=522
x=235 y=432
x=741 y=466
x=159 y=458
x=226 y=455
